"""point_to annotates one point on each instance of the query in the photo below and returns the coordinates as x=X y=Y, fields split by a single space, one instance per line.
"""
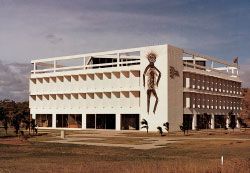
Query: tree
x=232 y=123
x=13 y=113
x=5 y=122
x=166 y=125
x=2 y=113
x=160 y=130
x=27 y=124
x=4 y=118
x=33 y=126
x=184 y=127
x=144 y=124
x=16 y=123
x=242 y=123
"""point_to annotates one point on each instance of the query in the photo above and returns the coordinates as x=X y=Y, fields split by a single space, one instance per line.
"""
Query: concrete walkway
x=112 y=139
x=154 y=143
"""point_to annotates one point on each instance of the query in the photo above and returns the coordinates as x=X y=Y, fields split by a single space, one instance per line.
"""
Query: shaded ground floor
x=127 y=121
x=89 y=121
x=208 y=121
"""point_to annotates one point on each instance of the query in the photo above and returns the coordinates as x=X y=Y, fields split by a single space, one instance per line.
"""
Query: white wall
x=161 y=63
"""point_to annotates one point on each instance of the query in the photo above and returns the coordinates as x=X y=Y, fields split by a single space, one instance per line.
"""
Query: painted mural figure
x=153 y=78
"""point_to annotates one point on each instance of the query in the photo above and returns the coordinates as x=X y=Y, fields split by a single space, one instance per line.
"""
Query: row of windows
x=208 y=83
x=211 y=102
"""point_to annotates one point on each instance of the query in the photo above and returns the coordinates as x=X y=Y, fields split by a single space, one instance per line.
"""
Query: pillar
x=227 y=122
x=33 y=116
x=194 y=122
x=83 y=121
x=53 y=120
x=237 y=121
x=118 y=121
x=212 y=121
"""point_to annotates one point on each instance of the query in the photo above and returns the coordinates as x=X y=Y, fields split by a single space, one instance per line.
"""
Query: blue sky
x=31 y=29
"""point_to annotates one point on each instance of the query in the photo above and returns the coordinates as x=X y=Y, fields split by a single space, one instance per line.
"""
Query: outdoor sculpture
x=153 y=78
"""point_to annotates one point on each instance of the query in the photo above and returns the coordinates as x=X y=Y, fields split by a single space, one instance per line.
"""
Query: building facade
x=117 y=89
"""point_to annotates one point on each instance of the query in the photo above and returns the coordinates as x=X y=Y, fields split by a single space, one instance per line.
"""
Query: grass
x=185 y=156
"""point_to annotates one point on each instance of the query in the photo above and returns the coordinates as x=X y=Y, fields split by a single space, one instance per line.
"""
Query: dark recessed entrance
x=187 y=120
x=69 y=120
x=203 y=121
x=129 y=121
x=219 y=121
x=105 y=121
x=100 y=121
x=90 y=121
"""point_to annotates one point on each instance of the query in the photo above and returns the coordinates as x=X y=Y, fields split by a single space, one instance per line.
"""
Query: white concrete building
x=117 y=89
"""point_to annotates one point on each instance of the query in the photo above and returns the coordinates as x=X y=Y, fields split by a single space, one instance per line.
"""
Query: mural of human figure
x=153 y=78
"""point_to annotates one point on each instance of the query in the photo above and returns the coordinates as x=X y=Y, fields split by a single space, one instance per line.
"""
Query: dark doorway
x=203 y=121
x=90 y=121
x=219 y=121
x=110 y=121
x=187 y=119
x=100 y=121
x=105 y=121
x=69 y=120
x=61 y=120
x=129 y=121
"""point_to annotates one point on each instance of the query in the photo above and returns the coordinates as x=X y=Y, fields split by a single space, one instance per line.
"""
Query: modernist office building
x=117 y=89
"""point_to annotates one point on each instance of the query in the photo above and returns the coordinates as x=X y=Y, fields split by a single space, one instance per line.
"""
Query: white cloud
x=14 y=81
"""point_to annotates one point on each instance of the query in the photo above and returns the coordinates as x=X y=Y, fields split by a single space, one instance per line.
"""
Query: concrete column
x=227 y=122
x=83 y=121
x=194 y=122
x=33 y=116
x=212 y=121
x=237 y=121
x=53 y=120
x=118 y=121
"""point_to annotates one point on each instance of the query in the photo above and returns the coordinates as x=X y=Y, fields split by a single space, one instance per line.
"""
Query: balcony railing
x=191 y=66
x=85 y=67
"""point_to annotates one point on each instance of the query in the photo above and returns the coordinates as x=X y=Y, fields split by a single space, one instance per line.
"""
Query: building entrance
x=129 y=121
x=69 y=120
x=105 y=121
x=100 y=121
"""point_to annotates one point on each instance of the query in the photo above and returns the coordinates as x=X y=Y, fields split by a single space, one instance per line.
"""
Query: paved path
x=99 y=139
x=150 y=143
